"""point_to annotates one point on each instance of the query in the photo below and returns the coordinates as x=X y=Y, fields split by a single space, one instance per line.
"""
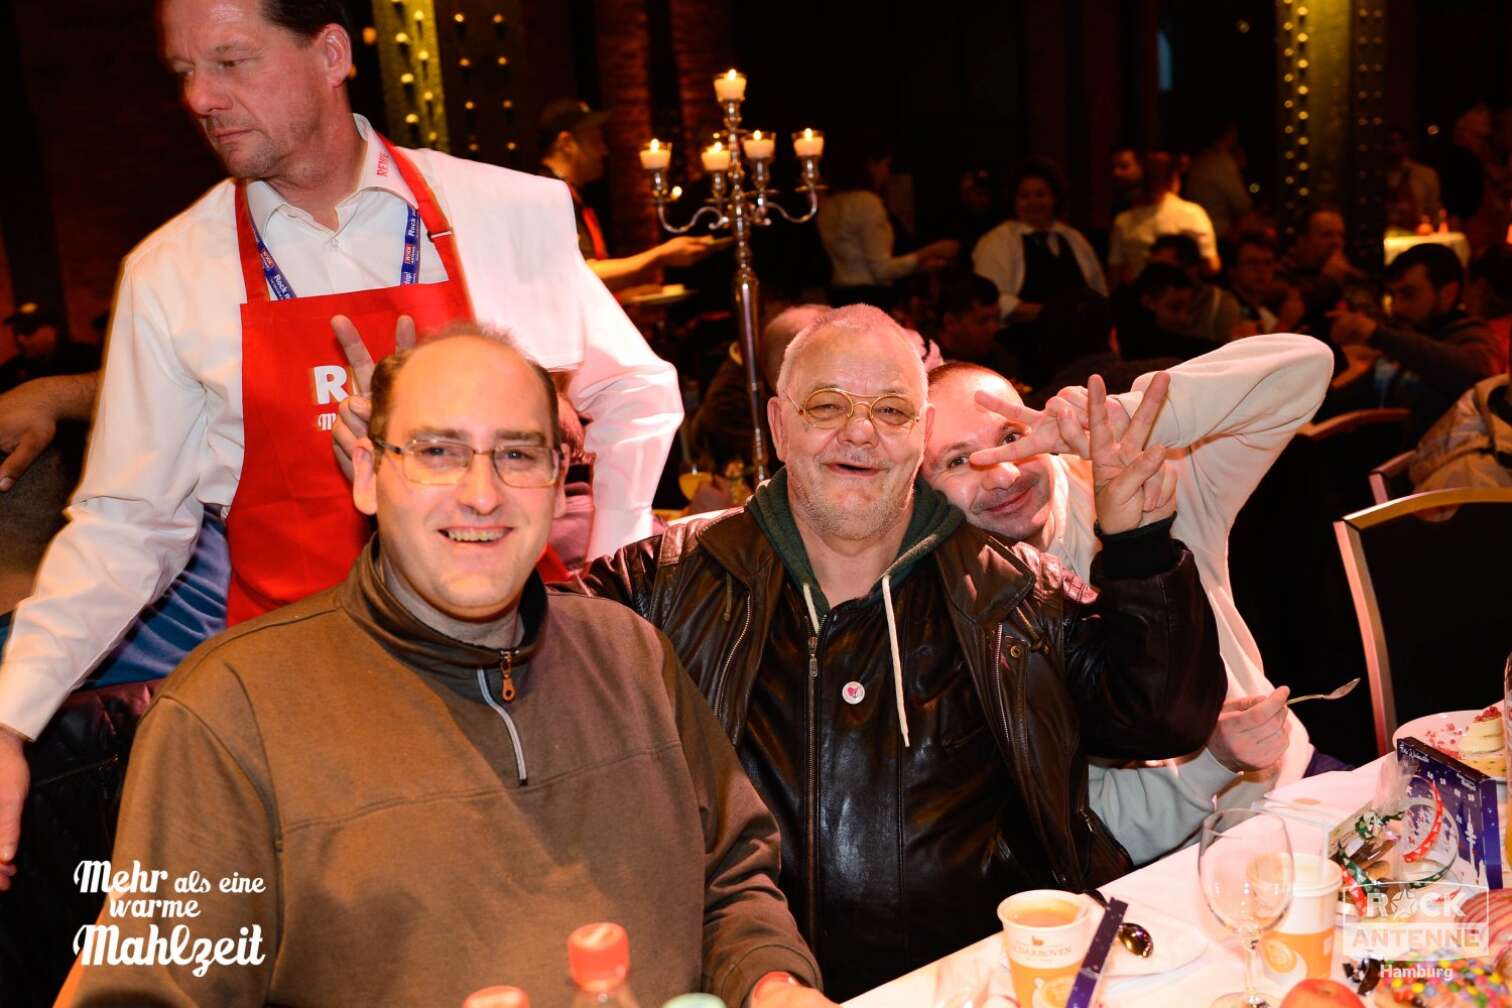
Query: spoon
x=1130 y=935
x=1342 y=691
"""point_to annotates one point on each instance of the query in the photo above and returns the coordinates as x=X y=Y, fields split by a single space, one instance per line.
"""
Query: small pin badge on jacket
x=853 y=692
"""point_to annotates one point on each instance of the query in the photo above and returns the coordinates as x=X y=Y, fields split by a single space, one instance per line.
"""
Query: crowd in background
x=1193 y=259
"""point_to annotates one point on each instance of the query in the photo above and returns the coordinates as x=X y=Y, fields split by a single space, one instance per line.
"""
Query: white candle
x=730 y=86
x=655 y=155
x=759 y=146
x=716 y=157
x=809 y=143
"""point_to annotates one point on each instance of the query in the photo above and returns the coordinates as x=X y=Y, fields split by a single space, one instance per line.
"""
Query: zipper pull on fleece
x=506 y=685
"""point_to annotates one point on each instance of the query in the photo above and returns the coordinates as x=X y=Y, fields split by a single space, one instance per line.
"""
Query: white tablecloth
x=1169 y=884
x=1395 y=244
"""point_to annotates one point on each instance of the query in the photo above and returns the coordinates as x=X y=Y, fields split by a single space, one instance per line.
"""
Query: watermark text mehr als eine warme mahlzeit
x=141 y=894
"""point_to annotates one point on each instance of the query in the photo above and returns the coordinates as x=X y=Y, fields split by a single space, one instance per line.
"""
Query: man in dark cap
x=573 y=149
x=42 y=349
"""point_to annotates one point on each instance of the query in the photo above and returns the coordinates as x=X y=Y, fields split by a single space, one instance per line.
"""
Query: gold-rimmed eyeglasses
x=435 y=462
x=831 y=407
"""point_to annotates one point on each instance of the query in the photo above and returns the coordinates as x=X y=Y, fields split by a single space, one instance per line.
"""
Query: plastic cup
x=1045 y=936
x=1301 y=947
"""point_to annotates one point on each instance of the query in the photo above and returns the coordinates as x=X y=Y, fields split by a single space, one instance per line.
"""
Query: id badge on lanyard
x=409 y=267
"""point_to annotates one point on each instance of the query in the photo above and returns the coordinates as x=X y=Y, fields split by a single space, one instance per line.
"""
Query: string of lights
x=449 y=75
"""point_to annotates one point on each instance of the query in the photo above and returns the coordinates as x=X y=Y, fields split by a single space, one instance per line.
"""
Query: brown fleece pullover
x=344 y=753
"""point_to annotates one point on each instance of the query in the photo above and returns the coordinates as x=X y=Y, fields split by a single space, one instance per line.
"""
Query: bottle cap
x=598 y=955
x=694 y=1001
x=497 y=997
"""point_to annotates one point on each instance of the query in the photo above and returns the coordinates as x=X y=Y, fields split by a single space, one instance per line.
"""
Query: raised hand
x=355 y=411
x=1055 y=429
x=1131 y=484
x=1060 y=428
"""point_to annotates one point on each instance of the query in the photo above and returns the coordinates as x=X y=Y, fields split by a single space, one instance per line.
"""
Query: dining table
x=1167 y=890
x=1395 y=244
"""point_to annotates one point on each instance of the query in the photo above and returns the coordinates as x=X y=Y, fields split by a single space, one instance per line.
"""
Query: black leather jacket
x=1129 y=672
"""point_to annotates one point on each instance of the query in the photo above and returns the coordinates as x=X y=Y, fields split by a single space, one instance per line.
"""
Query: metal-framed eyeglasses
x=832 y=407
x=439 y=462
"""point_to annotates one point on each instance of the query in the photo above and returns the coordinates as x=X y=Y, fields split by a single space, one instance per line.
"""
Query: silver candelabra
x=735 y=207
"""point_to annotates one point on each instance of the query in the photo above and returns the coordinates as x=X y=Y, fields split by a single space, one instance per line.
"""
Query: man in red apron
x=292 y=527
x=224 y=374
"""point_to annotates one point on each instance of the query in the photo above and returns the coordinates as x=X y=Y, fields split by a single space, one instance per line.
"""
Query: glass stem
x=1251 y=961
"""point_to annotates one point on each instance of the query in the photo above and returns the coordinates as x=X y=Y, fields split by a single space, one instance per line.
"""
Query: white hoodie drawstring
x=892 y=640
x=808 y=600
x=897 y=662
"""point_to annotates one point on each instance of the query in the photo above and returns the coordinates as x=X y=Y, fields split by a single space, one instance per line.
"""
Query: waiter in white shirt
x=224 y=375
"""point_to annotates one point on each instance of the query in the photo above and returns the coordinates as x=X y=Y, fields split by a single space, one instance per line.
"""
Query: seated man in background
x=969 y=324
x=870 y=654
x=488 y=754
x=1226 y=418
x=1214 y=316
x=1431 y=350
x=1318 y=268
x=1412 y=188
x=1156 y=312
x=721 y=429
x=1266 y=302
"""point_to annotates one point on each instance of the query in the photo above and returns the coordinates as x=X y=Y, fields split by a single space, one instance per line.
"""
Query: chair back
x=1428 y=575
x=1389 y=480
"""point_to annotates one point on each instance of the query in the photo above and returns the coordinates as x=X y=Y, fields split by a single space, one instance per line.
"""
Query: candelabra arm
x=799 y=218
x=716 y=219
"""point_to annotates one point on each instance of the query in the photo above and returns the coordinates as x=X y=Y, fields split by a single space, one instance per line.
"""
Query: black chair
x=78 y=767
x=1288 y=581
x=1428 y=575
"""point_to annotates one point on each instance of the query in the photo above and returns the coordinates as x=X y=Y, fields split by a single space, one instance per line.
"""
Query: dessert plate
x=1444 y=731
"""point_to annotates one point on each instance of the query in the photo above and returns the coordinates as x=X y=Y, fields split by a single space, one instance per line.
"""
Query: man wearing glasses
x=913 y=697
x=427 y=776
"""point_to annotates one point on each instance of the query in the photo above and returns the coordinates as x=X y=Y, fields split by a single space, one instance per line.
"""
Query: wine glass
x=1244 y=862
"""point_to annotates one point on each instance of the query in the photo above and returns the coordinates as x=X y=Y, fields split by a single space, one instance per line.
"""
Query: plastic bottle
x=497 y=997
x=598 y=956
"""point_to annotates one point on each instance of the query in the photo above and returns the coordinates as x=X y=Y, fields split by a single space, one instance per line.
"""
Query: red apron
x=293 y=529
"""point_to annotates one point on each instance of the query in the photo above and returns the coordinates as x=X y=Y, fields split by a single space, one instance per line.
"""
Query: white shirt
x=999 y=256
x=167 y=438
x=859 y=240
x=1228 y=415
x=1136 y=229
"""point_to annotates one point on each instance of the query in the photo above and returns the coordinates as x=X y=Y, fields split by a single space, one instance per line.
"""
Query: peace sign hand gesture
x=1055 y=430
x=1131 y=484
x=355 y=411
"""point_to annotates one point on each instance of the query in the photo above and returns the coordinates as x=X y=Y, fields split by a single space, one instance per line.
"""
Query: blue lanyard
x=409 y=267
